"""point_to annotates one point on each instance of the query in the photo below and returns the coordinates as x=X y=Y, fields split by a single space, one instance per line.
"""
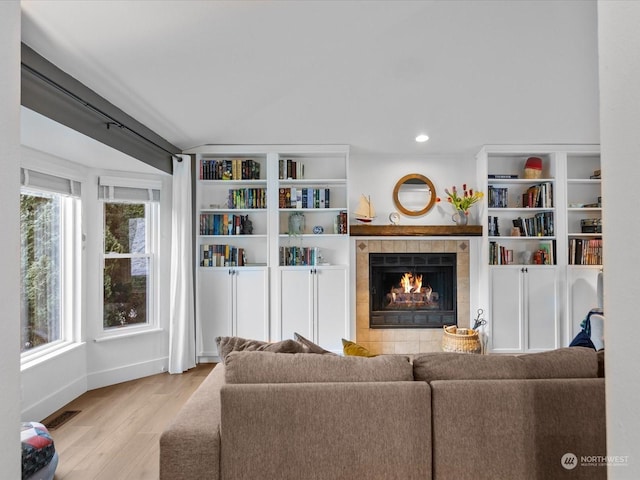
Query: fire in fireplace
x=412 y=290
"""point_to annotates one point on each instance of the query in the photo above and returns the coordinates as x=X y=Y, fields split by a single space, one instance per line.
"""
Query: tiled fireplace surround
x=407 y=340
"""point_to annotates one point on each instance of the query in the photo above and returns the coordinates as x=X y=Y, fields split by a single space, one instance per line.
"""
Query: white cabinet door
x=313 y=302
x=541 y=308
x=524 y=309
x=296 y=302
x=214 y=309
x=506 y=309
x=251 y=303
x=331 y=307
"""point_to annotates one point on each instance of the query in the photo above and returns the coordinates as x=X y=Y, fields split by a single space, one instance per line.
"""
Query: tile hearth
x=407 y=340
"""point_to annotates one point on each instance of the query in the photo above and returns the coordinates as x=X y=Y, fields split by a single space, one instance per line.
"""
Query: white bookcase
x=536 y=291
x=243 y=269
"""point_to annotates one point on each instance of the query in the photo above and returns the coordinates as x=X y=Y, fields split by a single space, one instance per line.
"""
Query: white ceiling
x=372 y=74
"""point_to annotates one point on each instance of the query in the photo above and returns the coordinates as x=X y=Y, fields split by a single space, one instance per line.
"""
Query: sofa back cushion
x=574 y=362
x=226 y=345
x=269 y=367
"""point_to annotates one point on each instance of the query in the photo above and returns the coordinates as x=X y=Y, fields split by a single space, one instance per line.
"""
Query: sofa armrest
x=375 y=430
x=190 y=445
x=488 y=429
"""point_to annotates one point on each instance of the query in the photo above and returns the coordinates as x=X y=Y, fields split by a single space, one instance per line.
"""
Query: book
x=548 y=250
x=503 y=176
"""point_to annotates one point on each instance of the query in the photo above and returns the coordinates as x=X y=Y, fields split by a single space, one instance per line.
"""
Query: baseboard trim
x=125 y=373
x=45 y=406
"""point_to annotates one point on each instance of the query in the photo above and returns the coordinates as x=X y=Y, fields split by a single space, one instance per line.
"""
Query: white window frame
x=152 y=231
x=70 y=277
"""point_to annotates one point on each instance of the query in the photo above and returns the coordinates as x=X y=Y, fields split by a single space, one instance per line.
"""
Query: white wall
x=9 y=240
x=123 y=359
x=377 y=176
x=619 y=48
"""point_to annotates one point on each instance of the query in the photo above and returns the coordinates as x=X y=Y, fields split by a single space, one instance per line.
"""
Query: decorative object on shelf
x=591 y=225
x=414 y=194
x=461 y=203
x=479 y=321
x=460 y=340
x=247 y=225
x=365 y=211
x=318 y=229
x=460 y=217
x=394 y=218
x=533 y=167
x=296 y=223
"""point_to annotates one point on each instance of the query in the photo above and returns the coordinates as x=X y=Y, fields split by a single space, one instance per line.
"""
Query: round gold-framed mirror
x=414 y=194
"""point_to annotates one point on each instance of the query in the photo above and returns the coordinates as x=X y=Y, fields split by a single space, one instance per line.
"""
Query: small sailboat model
x=365 y=212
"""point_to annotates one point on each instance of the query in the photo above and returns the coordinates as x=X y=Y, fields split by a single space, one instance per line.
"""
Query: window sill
x=45 y=356
x=131 y=333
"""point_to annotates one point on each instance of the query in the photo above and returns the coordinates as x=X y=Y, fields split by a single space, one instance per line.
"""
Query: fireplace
x=412 y=290
x=394 y=340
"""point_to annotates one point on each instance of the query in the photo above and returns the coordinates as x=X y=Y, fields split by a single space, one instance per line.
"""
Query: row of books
x=497 y=197
x=538 y=196
x=499 y=254
x=225 y=224
x=221 y=256
x=540 y=225
x=340 y=223
x=585 y=251
x=247 y=198
x=493 y=228
x=290 y=169
x=292 y=197
x=299 y=256
x=230 y=169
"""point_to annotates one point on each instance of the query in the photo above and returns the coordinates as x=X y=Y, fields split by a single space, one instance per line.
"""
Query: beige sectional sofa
x=265 y=415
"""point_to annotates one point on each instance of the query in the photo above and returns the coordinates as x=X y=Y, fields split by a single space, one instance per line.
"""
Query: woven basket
x=461 y=340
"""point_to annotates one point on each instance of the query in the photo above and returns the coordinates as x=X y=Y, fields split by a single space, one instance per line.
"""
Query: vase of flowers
x=460 y=217
x=461 y=202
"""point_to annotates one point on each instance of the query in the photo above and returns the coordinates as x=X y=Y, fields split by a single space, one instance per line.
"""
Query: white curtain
x=181 y=329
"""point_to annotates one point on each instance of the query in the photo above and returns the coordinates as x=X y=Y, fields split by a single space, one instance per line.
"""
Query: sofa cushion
x=600 y=355
x=574 y=362
x=352 y=348
x=269 y=367
x=462 y=366
x=226 y=345
x=310 y=347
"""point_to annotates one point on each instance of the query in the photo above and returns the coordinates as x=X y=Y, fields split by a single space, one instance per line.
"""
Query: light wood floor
x=116 y=435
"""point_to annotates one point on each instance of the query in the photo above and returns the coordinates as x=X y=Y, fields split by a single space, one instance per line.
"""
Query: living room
x=367 y=159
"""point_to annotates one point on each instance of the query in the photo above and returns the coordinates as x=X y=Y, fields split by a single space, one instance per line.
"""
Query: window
x=49 y=253
x=130 y=249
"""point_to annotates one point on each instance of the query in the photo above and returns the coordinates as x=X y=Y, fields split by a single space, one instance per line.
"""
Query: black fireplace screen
x=412 y=290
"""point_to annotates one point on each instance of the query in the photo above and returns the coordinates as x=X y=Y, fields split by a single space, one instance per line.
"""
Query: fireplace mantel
x=415 y=230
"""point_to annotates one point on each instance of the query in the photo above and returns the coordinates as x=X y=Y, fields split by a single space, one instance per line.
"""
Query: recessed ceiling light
x=422 y=138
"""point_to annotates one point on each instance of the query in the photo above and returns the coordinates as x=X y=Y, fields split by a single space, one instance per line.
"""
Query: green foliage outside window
x=125 y=277
x=40 y=270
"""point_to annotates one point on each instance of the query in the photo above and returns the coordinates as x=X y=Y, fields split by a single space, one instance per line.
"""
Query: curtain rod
x=111 y=121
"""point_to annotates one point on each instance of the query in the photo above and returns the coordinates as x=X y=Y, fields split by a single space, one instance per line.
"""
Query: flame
x=409 y=283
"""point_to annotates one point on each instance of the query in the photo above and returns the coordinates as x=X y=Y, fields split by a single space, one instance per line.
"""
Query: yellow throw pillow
x=352 y=348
